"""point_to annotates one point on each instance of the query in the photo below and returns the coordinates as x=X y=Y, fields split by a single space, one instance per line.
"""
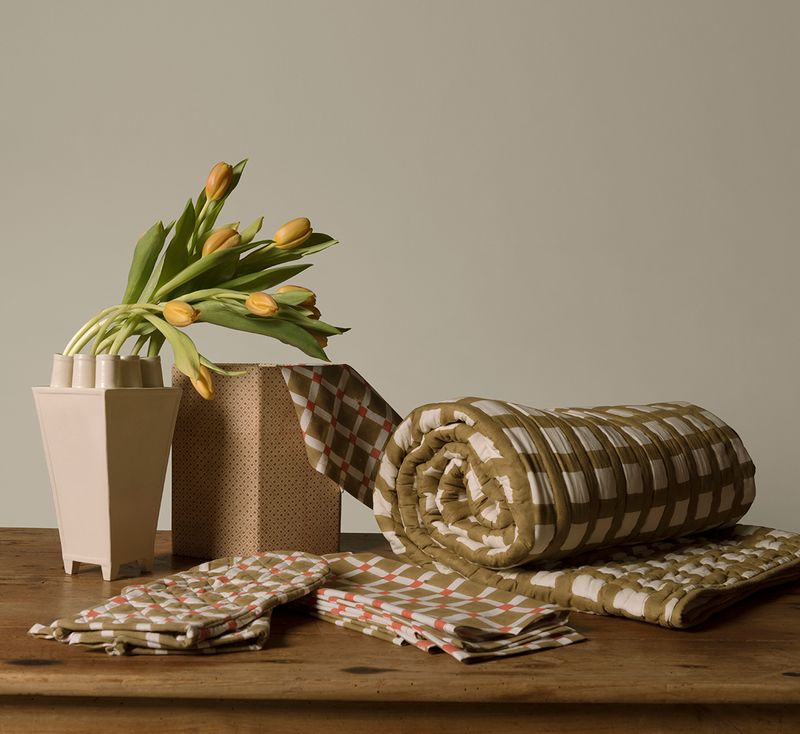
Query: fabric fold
x=219 y=606
x=404 y=604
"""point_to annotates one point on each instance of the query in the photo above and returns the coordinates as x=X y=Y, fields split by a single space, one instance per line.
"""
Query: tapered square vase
x=107 y=452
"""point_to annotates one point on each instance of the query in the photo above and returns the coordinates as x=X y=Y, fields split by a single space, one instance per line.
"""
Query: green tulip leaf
x=216 y=368
x=201 y=201
x=187 y=360
x=213 y=312
x=238 y=170
x=197 y=268
x=269 y=256
x=175 y=256
x=291 y=298
x=264 y=280
x=145 y=256
x=250 y=233
x=287 y=313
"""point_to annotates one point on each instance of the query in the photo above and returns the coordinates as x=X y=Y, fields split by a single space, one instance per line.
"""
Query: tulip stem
x=198 y=224
x=101 y=321
x=155 y=345
x=102 y=331
x=122 y=335
x=140 y=342
x=78 y=336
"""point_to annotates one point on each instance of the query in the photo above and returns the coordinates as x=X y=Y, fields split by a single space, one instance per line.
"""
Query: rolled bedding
x=625 y=510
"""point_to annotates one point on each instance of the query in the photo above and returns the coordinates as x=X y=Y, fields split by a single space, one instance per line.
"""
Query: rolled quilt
x=625 y=510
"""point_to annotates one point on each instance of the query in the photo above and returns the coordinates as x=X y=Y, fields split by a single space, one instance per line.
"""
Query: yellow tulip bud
x=309 y=302
x=293 y=233
x=218 y=181
x=204 y=384
x=261 y=304
x=180 y=313
x=322 y=340
x=221 y=239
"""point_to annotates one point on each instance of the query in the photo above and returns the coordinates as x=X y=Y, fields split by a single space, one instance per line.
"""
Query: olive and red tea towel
x=404 y=604
x=218 y=606
x=225 y=606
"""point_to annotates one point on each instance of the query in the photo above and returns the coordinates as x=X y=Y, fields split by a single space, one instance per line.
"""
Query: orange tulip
x=221 y=239
x=180 y=313
x=261 y=304
x=293 y=233
x=309 y=302
x=204 y=384
x=218 y=181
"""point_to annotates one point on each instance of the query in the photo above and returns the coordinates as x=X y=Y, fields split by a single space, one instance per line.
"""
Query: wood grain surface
x=738 y=672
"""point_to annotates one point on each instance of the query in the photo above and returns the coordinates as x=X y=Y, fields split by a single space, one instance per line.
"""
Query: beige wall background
x=559 y=203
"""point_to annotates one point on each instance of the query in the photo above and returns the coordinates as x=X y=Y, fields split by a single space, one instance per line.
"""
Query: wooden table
x=740 y=673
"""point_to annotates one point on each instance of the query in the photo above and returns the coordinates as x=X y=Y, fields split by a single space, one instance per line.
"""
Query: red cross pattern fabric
x=219 y=606
x=345 y=424
x=434 y=611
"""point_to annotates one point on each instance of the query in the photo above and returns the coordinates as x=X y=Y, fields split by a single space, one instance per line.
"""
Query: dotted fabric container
x=241 y=478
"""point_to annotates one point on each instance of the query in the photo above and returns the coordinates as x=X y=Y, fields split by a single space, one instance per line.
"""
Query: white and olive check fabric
x=434 y=611
x=219 y=606
x=345 y=423
x=516 y=497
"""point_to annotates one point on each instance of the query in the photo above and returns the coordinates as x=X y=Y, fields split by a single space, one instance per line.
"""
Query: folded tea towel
x=345 y=423
x=584 y=508
x=219 y=606
x=405 y=604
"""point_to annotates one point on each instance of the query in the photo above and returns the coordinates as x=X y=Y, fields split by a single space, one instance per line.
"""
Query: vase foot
x=71 y=566
x=146 y=564
x=110 y=571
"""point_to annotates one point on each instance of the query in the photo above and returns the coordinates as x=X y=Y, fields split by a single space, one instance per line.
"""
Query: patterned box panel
x=241 y=480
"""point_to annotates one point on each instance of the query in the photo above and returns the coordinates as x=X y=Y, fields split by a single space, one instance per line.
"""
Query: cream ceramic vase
x=107 y=450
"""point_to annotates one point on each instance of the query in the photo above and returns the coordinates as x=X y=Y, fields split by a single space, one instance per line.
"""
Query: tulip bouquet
x=214 y=274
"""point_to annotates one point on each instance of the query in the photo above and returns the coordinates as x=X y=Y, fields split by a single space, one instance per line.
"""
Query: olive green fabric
x=625 y=510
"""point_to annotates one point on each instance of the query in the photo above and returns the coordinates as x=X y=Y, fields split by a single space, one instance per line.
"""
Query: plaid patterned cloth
x=505 y=494
x=404 y=604
x=345 y=423
x=218 y=606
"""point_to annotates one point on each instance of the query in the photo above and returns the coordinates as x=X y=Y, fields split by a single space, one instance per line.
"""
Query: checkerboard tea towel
x=219 y=606
x=345 y=423
x=584 y=508
x=404 y=604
